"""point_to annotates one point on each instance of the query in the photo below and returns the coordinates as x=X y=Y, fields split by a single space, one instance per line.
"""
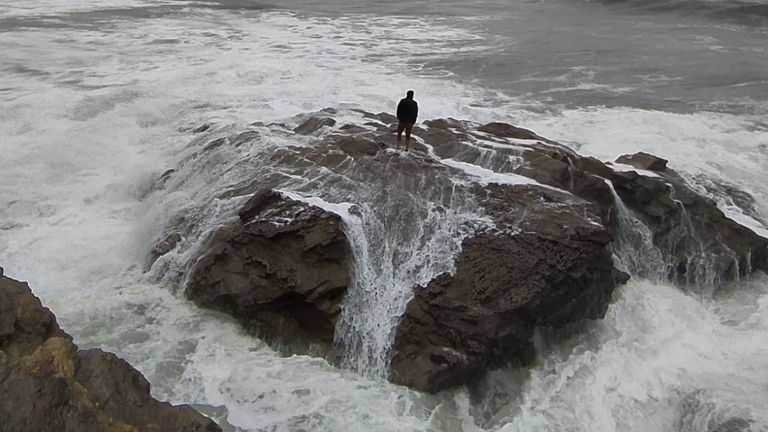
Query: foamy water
x=93 y=111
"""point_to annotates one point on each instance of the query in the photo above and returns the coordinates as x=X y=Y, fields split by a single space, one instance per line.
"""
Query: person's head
x=409 y=94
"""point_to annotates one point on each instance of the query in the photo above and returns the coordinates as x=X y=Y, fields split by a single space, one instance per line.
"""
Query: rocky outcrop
x=542 y=258
x=281 y=268
x=313 y=124
x=47 y=384
x=504 y=148
x=544 y=263
x=700 y=245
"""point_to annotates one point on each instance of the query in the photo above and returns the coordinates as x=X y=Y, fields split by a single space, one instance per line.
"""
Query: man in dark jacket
x=407 y=111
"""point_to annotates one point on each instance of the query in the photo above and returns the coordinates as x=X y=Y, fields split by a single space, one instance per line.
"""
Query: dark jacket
x=407 y=110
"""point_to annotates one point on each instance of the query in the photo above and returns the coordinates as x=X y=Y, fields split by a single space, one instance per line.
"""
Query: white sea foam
x=660 y=360
x=485 y=176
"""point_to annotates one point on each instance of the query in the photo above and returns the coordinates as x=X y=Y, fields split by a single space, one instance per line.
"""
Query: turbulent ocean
x=98 y=98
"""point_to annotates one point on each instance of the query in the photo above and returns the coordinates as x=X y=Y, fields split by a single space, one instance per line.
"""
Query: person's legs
x=400 y=127
x=408 y=129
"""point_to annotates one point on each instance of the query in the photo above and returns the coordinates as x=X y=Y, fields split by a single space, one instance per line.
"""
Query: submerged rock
x=282 y=268
x=734 y=424
x=48 y=384
x=201 y=128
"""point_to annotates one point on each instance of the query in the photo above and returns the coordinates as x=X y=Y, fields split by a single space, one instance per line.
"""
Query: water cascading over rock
x=281 y=268
x=701 y=245
x=430 y=267
x=544 y=262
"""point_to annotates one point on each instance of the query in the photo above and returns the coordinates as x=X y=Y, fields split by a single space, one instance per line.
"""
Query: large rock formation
x=544 y=263
x=697 y=244
x=281 y=268
x=47 y=384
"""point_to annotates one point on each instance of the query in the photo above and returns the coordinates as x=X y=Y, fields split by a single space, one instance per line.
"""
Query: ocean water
x=97 y=99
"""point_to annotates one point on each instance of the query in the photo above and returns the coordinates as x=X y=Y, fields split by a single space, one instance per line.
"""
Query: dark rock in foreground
x=282 y=268
x=47 y=384
x=544 y=263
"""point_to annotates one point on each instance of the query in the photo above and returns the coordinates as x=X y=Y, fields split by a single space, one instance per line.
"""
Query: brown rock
x=383 y=117
x=547 y=263
x=243 y=137
x=166 y=245
x=642 y=160
x=702 y=247
x=544 y=264
x=48 y=385
x=282 y=269
x=353 y=129
x=542 y=160
x=24 y=323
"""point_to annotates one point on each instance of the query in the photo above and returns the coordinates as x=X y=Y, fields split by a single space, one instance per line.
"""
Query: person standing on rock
x=407 y=111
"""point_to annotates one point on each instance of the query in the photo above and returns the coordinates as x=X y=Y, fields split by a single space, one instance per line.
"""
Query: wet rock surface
x=699 y=244
x=644 y=161
x=281 y=268
x=537 y=253
x=313 y=124
x=544 y=263
x=47 y=384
